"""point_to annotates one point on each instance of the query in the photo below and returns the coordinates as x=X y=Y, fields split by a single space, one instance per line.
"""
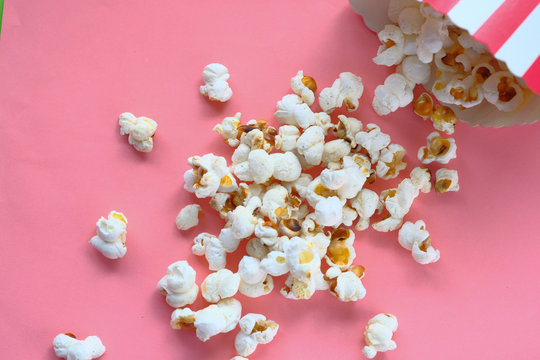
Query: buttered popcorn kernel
x=67 y=346
x=378 y=335
x=188 y=217
x=416 y=238
x=446 y=180
x=438 y=149
x=141 y=131
x=215 y=86
x=347 y=89
x=305 y=87
x=111 y=235
x=179 y=285
x=255 y=329
x=220 y=285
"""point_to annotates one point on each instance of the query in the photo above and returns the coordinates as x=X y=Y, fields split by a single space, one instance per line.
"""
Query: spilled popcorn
x=378 y=335
x=141 y=131
x=67 y=346
x=111 y=235
x=215 y=86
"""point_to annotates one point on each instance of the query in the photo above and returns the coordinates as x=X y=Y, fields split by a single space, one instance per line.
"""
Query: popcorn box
x=511 y=32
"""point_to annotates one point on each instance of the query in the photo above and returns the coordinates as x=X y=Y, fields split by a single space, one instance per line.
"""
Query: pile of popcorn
x=428 y=48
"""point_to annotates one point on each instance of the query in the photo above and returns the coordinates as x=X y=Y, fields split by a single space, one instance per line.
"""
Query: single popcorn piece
x=288 y=135
x=438 y=149
x=373 y=141
x=141 y=131
x=255 y=329
x=397 y=91
x=329 y=211
x=111 y=235
x=67 y=346
x=254 y=281
x=220 y=285
x=421 y=178
x=210 y=321
x=209 y=173
x=340 y=252
x=347 y=286
x=179 y=285
x=347 y=128
x=365 y=204
x=335 y=150
x=305 y=87
x=446 y=180
x=292 y=111
x=410 y=20
x=391 y=51
x=347 y=89
x=188 y=217
x=415 y=70
x=229 y=129
x=211 y=247
x=311 y=145
x=215 y=86
x=444 y=119
x=423 y=106
x=286 y=166
x=260 y=166
x=502 y=90
x=391 y=161
x=275 y=263
x=414 y=237
x=378 y=335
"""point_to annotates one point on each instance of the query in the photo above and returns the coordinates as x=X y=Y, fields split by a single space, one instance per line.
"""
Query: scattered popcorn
x=141 y=131
x=391 y=51
x=421 y=178
x=438 y=149
x=292 y=111
x=446 y=180
x=305 y=87
x=220 y=285
x=502 y=90
x=347 y=286
x=415 y=237
x=444 y=119
x=365 y=203
x=111 y=235
x=286 y=166
x=329 y=212
x=209 y=173
x=179 y=285
x=341 y=252
x=391 y=161
x=423 y=106
x=347 y=128
x=211 y=247
x=210 y=321
x=229 y=129
x=378 y=335
x=215 y=86
x=254 y=330
x=188 y=217
x=415 y=70
x=373 y=141
x=67 y=346
x=348 y=89
x=286 y=140
x=311 y=145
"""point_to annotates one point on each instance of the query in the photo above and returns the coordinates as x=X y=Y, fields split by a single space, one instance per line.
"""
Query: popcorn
x=430 y=39
x=305 y=87
x=438 y=149
x=258 y=289
x=398 y=201
x=212 y=320
x=329 y=211
x=446 y=180
x=415 y=237
x=256 y=248
x=258 y=135
x=179 y=285
x=254 y=330
x=385 y=100
x=341 y=252
x=275 y=263
x=391 y=51
x=347 y=286
x=254 y=281
x=349 y=215
x=373 y=141
x=111 y=235
x=215 y=86
x=242 y=219
x=348 y=89
x=209 y=173
x=415 y=70
x=378 y=335
x=292 y=111
x=67 y=346
x=395 y=7
x=502 y=90
x=229 y=129
x=410 y=20
x=391 y=161
x=220 y=285
x=274 y=203
x=335 y=150
x=389 y=223
x=423 y=105
x=347 y=128
x=212 y=248
x=286 y=166
x=311 y=145
x=141 y=131
x=444 y=119
x=239 y=358
x=365 y=203
x=397 y=91
x=260 y=166
x=421 y=178
x=188 y=217
x=302 y=258
x=286 y=140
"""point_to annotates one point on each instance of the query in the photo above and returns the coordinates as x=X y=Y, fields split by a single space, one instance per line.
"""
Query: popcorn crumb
x=188 y=217
x=215 y=86
x=111 y=235
x=67 y=346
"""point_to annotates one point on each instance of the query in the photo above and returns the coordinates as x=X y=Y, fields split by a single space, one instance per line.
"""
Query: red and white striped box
x=509 y=28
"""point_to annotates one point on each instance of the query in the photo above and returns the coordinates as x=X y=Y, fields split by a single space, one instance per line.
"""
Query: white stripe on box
x=472 y=14
x=523 y=47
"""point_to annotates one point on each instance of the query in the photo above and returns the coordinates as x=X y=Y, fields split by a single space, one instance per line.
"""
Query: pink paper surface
x=69 y=68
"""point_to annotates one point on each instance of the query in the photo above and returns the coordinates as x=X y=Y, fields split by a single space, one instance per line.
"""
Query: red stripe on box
x=442 y=6
x=532 y=76
x=503 y=22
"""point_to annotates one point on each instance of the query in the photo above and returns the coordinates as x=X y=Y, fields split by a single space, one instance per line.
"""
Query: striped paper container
x=511 y=31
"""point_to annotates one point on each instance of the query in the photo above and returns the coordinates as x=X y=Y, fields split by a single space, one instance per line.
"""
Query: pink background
x=69 y=68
